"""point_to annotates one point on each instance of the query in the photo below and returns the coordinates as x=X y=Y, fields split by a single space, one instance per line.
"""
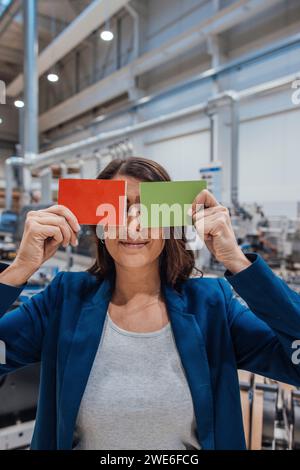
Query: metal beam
x=89 y=20
x=136 y=30
x=208 y=74
x=220 y=22
x=96 y=94
x=31 y=80
x=114 y=85
x=11 y=55
x=87 y=145
x=9 y=15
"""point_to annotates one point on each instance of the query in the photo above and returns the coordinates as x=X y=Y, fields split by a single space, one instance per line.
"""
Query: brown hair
x=176 y=262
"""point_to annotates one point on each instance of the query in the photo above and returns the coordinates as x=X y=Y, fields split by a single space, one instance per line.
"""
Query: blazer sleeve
x=22 y=329
x=265 y=323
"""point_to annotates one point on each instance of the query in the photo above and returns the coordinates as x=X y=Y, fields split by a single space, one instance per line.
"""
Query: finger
x=68 y=233
x=210 y=211
x=51 y=231
x=42 y=231
x=58 y=221
x=65 y=212
x=206 y=198
x=50 y=248
x=212 y=225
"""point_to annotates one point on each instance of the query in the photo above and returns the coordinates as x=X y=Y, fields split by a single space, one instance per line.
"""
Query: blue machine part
x=8 y=221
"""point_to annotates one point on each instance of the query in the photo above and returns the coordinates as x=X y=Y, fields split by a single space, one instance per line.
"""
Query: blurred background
x=208 y=88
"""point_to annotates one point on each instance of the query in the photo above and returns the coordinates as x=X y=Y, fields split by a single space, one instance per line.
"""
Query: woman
x=136 y=353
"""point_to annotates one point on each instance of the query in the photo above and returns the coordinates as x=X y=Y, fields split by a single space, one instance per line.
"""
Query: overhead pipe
x=210 y=73
x=60 y=152
x=218 y=100
x=223 y=20
x=54 y=155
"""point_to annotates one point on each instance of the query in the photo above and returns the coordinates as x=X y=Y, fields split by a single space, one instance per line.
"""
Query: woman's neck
x=136 y=283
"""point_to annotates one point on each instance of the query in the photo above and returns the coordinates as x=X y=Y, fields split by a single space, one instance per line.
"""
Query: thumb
x=205 y=198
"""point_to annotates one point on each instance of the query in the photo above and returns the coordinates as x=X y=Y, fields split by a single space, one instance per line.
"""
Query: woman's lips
x=133 y=245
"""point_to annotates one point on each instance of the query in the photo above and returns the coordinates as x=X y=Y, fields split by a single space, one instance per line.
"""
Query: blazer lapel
x=81 y=356
x=191 y=347
x=86 y=339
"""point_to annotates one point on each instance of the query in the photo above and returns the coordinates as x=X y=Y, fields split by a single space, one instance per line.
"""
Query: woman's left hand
x=213 y=223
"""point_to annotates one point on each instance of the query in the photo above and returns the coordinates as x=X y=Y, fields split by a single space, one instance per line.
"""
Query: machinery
x=276 y=239
x=18 y=402
x=19 y=390
x=271 y=413
x=295 y=419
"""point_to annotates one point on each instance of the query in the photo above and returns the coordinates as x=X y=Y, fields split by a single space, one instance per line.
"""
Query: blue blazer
x=215 y=332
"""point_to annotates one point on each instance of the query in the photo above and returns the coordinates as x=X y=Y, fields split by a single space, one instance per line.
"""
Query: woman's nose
x=133 y=223
x=133 y=226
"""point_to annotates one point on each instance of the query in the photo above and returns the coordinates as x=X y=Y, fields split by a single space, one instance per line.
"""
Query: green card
x=165 y=203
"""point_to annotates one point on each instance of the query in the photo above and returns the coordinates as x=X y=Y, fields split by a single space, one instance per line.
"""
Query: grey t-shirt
x=137 y=395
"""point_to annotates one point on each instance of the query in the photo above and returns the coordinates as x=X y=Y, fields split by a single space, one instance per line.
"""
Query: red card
x=93 y=201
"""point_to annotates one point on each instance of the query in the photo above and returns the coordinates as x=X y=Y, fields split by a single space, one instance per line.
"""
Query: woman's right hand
x=44 y=231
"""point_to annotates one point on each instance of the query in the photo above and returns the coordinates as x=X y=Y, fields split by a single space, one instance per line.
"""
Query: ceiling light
x=19 y=104
x=144 y=100
x=107 y=35
x=52 y=77
x=1 y=120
